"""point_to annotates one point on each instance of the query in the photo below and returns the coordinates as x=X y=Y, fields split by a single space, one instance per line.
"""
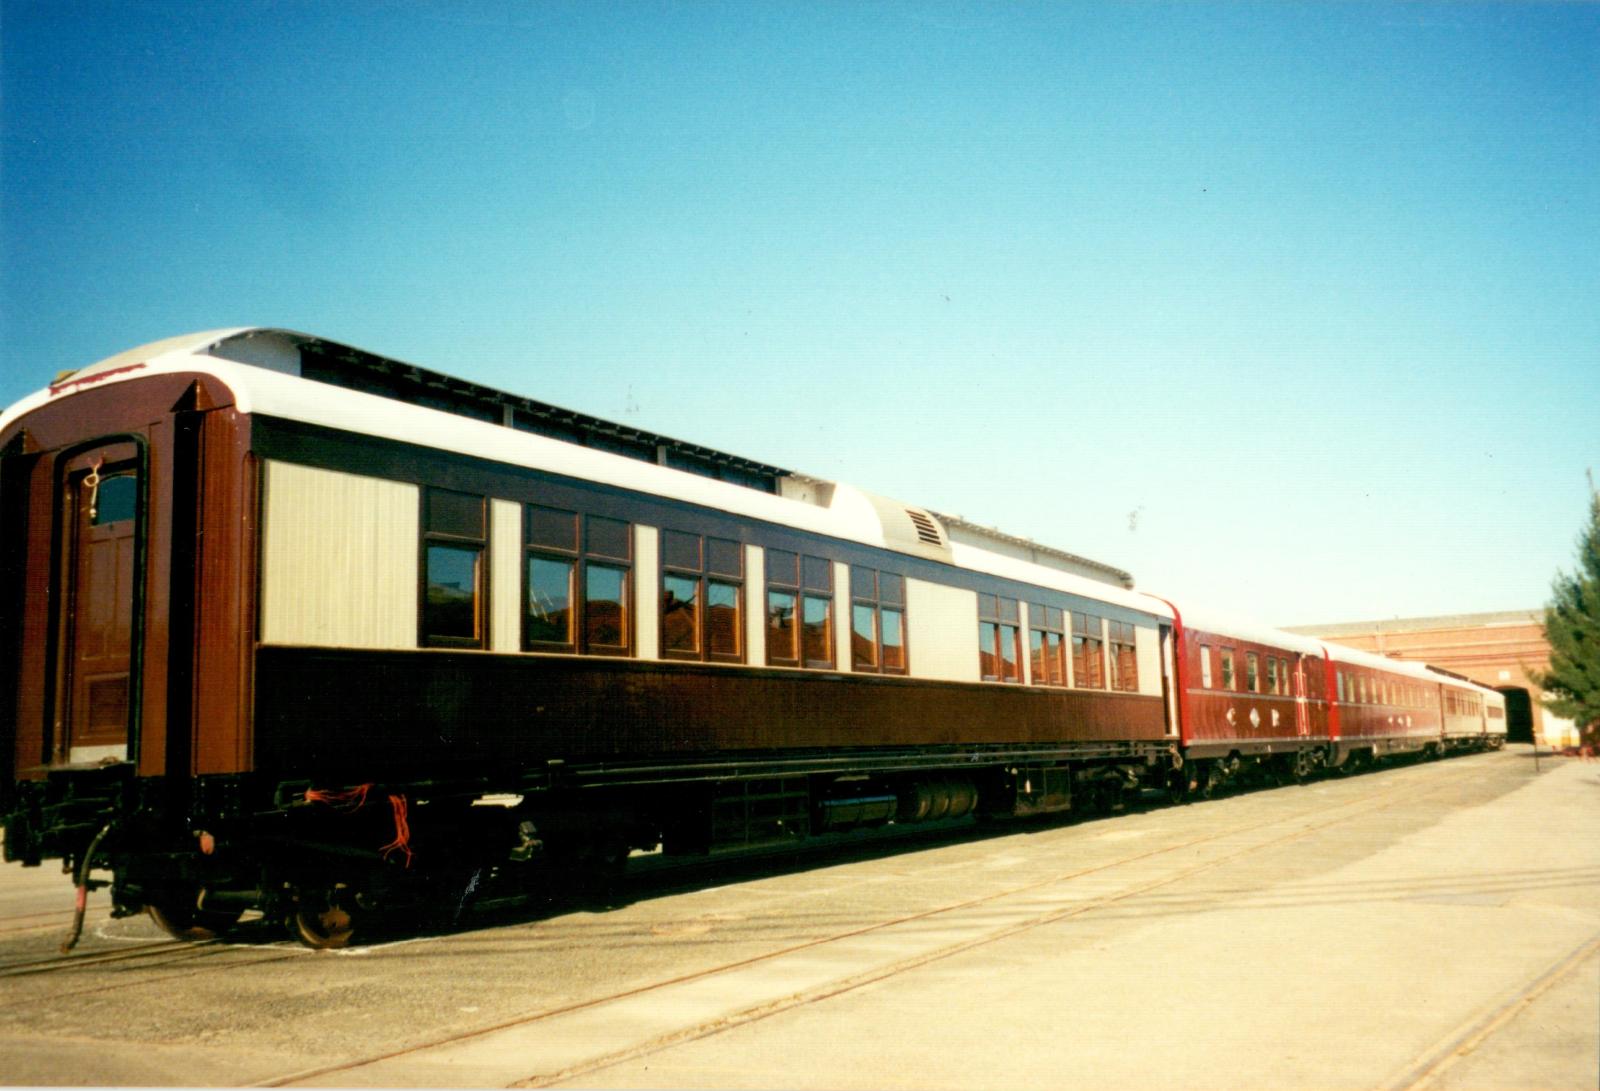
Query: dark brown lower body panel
x=328 y=714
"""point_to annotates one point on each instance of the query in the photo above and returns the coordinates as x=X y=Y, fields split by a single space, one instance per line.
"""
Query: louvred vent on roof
x=927 y=530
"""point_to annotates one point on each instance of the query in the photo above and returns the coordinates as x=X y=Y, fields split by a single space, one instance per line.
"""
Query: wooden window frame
x=802 y=587
x=704 y=573
x=867 y=592
x=1088 y=629
x=1122 y=635
x=1205 y=666
x=1003 y=616
x=1228 y=676
x=1042 y=621
x=581 y=557
x=478 y=544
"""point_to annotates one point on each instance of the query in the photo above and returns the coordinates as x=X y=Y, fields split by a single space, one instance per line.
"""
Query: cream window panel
x=755 y=602
x=647 y=591
x=1027 y=642
x=338 y=559
x=841 y=616
x=1147 y=654
x=505 y=576
x=942 y=631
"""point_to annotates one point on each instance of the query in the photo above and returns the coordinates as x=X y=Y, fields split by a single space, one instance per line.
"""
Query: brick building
x=1495 y=650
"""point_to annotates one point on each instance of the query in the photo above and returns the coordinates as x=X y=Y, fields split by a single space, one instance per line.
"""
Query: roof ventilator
x=927 y=530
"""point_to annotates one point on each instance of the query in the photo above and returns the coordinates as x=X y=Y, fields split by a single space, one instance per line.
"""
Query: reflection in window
x=1124 y=656
x=549 y=601
x=452 y=595
x=864 y=636
x=115 y=499
x=576 y=600
x=781 y=629
x=722 y=619
x=803 y=585
x=999 y=639
x=877 y=621
x=816 y=632
x=1088 y=652
x=701 y=591
x=605 y=608
x=680 y=613
x=453 y=533
x=1047 y=645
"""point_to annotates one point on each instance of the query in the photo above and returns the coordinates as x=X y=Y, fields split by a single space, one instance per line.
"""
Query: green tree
x=1572 y=626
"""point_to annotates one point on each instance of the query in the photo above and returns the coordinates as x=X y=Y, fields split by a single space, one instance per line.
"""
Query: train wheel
x=322 y=923
x=1178 y=786
x=1108 y=796
x=180 y=918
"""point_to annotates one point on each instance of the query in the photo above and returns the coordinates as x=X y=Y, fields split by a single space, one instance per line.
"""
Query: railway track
x=1471 y=1035
x=701 y=995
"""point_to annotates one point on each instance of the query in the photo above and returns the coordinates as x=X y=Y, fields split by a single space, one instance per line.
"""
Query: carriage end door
x=97 y=569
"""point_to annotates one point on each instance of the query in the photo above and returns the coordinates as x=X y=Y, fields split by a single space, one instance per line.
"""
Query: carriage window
x=115 y=499
x=1047 y=643
x=1124 y=657
x=1088 y=652
x=702 y=580
x=1252 y=672
x=450 y=613
x=549 y=619
x=1227 y=668
x=1272 y=674
x=453 y=541
x=1205 y=667
x=999 y=640
x=799 y=610
x=576 y=600
x=877 y=621
x=605 y=609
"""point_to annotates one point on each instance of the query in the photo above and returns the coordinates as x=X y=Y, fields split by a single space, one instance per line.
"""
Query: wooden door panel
x=100 y=545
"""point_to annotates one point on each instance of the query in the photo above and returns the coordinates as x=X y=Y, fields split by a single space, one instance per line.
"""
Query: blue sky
x=1290 y=308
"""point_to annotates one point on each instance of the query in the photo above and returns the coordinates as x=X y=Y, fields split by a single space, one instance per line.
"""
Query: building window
x=1047 y=645
x=999 y=639
x=702 y=585
x=1227 y=668
x=453 y=542
x=576 y=591
x=799 y=610
x=1088 y=652
x=877 y=621
x=1124 y=657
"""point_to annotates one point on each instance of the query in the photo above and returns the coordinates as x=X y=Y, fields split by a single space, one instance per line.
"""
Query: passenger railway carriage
x=293 y=627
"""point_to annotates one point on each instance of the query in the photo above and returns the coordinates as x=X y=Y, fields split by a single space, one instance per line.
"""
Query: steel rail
x=1386 y=797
